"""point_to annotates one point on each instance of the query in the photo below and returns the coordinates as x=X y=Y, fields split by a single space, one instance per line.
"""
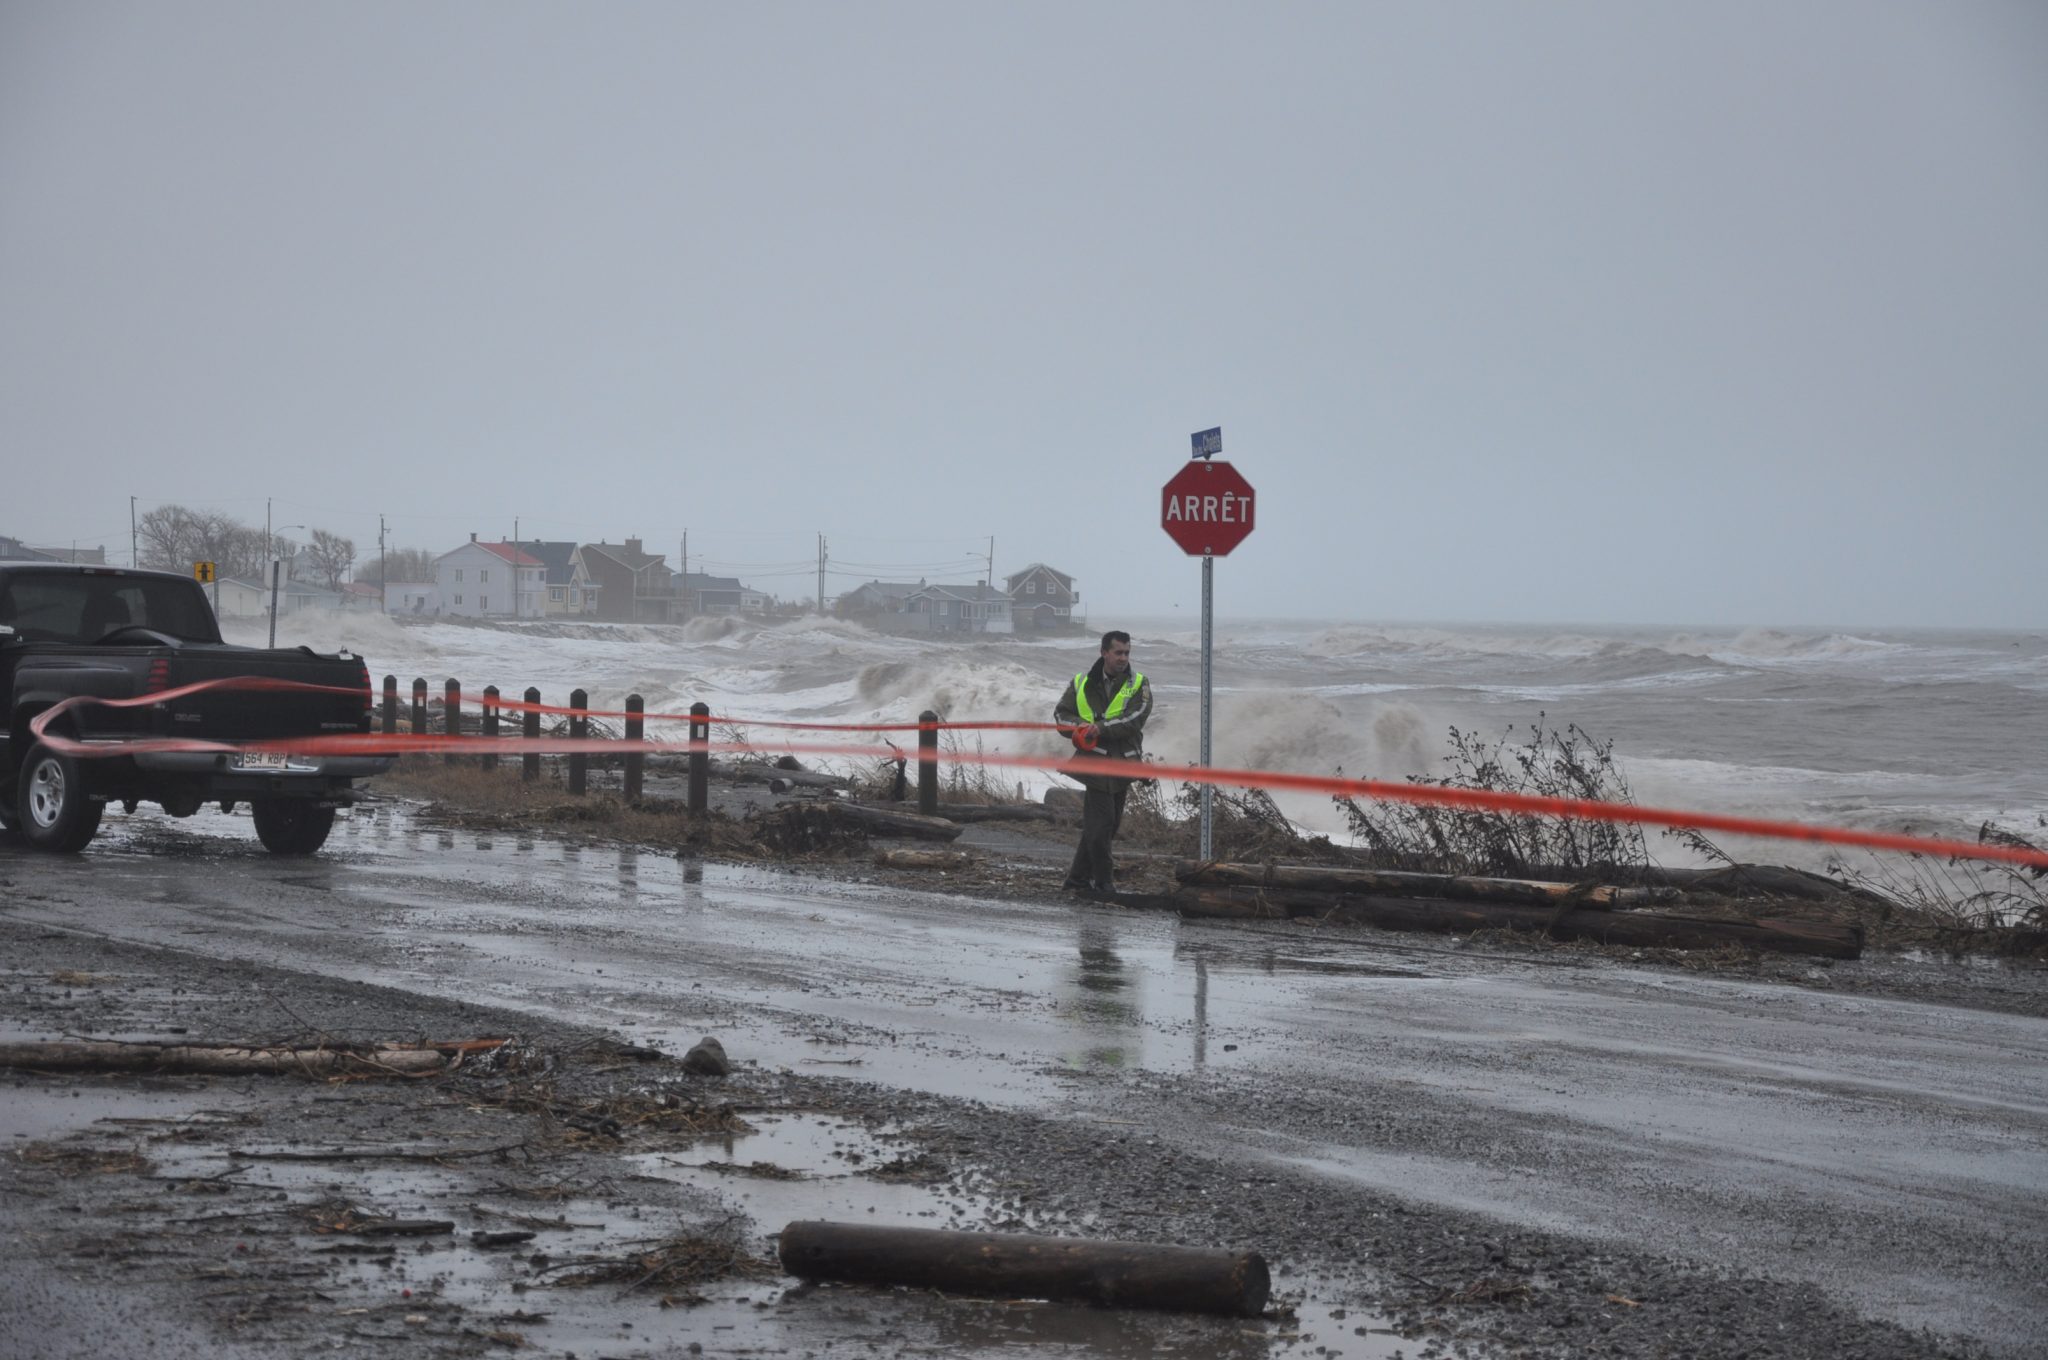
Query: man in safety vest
x=1104 y=712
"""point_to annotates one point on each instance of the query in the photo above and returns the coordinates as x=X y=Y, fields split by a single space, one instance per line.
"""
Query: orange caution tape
x=1428 y=795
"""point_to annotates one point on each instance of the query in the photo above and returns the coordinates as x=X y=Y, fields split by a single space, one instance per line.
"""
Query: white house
x=489 y=580
x=241 y=599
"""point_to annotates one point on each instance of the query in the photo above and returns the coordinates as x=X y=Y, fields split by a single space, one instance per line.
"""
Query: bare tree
x=399 y=564
x=172 y=537
x=330 y=556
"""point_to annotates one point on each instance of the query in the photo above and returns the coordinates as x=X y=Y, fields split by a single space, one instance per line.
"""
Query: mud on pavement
x=572 y=1195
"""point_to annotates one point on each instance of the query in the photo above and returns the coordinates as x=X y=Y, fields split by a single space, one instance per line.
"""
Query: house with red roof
x=490 y=580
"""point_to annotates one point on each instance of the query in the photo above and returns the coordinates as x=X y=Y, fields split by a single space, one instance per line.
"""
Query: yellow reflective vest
x=1116 y=701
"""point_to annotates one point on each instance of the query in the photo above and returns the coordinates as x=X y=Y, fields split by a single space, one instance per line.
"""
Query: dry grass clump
x=466 y=795
x=470 y=786
x=1548 y=764
x=1957 y=906
x=674 y=1265
x=973 y=780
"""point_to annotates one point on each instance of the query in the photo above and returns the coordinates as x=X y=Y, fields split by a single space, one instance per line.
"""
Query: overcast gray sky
x=1703 y=313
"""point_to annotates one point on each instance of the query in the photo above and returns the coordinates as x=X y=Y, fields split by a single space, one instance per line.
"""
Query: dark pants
x=1102 y=812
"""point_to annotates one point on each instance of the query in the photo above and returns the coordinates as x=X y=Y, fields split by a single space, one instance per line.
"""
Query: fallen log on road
x=95 y=1056
x=1017 y=1265
x=1460 y=886
x=1636 y=929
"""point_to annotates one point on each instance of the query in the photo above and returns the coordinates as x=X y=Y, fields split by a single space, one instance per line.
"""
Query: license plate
x=262 y=760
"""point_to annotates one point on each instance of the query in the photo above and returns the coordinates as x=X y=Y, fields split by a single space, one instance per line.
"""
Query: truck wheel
x=53 y=803
x=290 y=826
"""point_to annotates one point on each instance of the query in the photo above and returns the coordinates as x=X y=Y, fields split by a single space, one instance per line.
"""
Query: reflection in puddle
x=1100 y=998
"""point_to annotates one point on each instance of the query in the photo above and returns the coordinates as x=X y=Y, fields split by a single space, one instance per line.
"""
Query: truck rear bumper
x=211 y=766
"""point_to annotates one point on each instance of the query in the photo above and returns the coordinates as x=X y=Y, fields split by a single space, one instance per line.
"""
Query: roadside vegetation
x=1962 y=906
x=1545 y=763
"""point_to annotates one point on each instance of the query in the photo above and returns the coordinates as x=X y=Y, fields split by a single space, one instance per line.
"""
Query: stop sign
x=1206 y=507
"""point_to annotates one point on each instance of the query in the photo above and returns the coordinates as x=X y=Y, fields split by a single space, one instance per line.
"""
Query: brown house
x=633 y=585
x=1041 y=597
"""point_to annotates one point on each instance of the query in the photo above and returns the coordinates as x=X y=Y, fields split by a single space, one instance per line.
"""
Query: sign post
x=1207 y=508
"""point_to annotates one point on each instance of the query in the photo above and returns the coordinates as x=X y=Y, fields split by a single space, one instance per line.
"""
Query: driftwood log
x=888 y=822
x=95 y=1056
x=1462 y=887
x=1728 y=880
x=1016 y=1265
x=1564 y=921
x=782 y=781
x=985 y=812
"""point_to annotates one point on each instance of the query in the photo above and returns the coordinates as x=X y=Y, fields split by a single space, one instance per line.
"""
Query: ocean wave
x=1599 y=657
x=1756 y=645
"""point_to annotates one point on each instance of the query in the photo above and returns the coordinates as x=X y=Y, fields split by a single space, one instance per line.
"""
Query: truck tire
x=290 y=826
x=56 y=809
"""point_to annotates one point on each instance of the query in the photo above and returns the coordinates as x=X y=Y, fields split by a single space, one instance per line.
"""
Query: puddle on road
x=801 y=1166
x=34 y=1110
x=796 y=1166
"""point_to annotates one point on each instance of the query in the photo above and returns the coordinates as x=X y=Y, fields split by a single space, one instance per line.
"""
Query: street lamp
x=274 y=565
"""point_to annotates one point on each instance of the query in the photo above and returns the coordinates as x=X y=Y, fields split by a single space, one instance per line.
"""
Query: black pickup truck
x=67 y=631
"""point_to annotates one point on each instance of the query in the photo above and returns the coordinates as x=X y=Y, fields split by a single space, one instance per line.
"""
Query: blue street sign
x=1208 y=443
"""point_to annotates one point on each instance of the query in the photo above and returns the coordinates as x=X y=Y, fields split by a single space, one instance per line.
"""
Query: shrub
x=1547 y=763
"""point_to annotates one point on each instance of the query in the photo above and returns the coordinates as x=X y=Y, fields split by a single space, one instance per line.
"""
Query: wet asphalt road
x=1893 y=1153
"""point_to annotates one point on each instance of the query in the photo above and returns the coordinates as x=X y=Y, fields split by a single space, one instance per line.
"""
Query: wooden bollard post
x=451 y=711
x=490 y=723
x=636 y=727
x=529 y=726
x=700 y=758
x=579 y=728
x=928 y=763
x=390 y=705
x=1024 y=1266
x=419 y=705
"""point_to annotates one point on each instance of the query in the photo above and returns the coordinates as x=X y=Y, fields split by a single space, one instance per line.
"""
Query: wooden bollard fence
x=928 y=763
x=700 y=757
x=419 y=705
x=635 y=762
x=490 y=723
x=451 y=712
x=529 y=766
x=579 y=728
x=390 y=705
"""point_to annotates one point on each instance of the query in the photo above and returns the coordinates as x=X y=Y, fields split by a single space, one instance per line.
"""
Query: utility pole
x=991 y=561
x=821 y=573
x=383 y=572
x=134 y=559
